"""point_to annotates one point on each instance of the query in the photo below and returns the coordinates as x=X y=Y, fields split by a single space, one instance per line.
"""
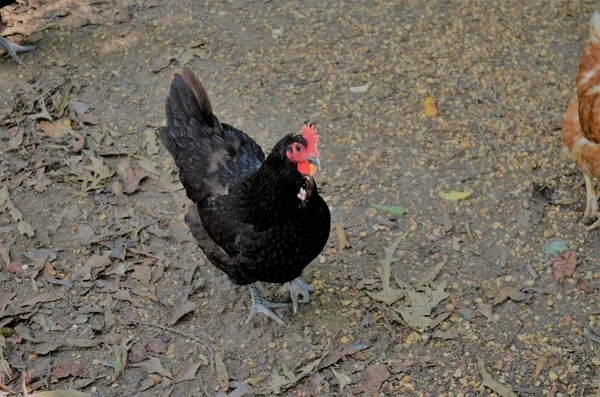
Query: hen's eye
x=298 y=148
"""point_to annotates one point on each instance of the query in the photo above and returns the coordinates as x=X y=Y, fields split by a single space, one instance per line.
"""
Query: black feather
x=248 y=218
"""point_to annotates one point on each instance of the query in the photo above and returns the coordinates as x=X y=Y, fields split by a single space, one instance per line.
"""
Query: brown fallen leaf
x=564 y=265
x=60 y=393
x=93 y=262
x=222 y=375
x=142 y=273
x=25 y=333
x=388 y=294
x=585 y=287
x=46 y=347
x=131 y=177
x=157 y=345
x=42 y=181
x=160 y=63
x=189 y=374
x=429 y=107
x=123 y=16
x=120 y=363
x=500 y=295
x=542 y=361
x=333 y=356
x=80 y=109
x=67 y=370
x=181 y=311
x=341 y=235
x=343 y=379
x=16 y=137
x=153 y=366
x=6 y=297
x=23 y=226
x=56 y=129
x=5 y=254
x=124 y=295
x=374 y=378
x=491 y=383
x=44 y=298
x=82 y=342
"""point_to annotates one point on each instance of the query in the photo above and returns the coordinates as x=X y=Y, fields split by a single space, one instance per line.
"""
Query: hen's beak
x=314 y=160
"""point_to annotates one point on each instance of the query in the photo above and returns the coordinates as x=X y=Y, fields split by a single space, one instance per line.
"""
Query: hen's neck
x=271 y=193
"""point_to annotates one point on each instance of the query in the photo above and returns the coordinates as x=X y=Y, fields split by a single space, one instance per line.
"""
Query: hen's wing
x=210 y=155
x=588 y=84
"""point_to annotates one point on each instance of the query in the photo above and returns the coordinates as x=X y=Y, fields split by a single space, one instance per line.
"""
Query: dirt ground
x=103 y=290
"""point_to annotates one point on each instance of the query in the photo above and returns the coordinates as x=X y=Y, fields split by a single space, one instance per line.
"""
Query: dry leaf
x=420 y=304
x=16 y=137
x=454 y=195
x=341 y=235
x=388 y=294
x=500 y=295
x=153 y=366
x=5 y=254
x=429 y=107
x=157 y=345
x=131 y=177
x=23 y=226
x=189 y=374
x=540 y=366
x=50 y=297
x=491 y=383
x=67 y=370
x=222 y=375
x=564 y=265
x=181 y=311
x=93 y=262
x=343 y=379
x=150 y=142
x=160 y=63
x=60 y=393
x=374 y=378
x=585 y=287
x=120 y=362
x=80 y=110
x=42 y=181
x=56 y=129
x=143 y=274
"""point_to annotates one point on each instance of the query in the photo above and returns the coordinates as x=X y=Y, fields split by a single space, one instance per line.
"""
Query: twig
x=493 y=82
x=590 y=336
x=483 y=138
x=176 y=331
x=468 y=227
x=203 y=387
x=510 y=342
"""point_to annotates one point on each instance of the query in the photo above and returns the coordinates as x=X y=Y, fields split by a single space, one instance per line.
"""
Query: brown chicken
x=581 y=124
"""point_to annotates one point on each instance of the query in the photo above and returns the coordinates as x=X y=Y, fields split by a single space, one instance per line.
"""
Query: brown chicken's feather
x=581 y=124
x=588 y=84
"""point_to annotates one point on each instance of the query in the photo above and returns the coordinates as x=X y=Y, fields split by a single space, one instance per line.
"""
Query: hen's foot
x=261 y=305
x=591 y=199
x=594 y=225
x=12 y=49
x=298 y=287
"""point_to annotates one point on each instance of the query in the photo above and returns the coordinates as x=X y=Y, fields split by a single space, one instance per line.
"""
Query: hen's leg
x=591 y=205
x=299 y=287
x=12 y=49
x=261 y=305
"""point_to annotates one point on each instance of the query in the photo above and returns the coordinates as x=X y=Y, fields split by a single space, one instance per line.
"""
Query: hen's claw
x=298 y=287
x=12 y=49
x=591 y=205
x=261 y=305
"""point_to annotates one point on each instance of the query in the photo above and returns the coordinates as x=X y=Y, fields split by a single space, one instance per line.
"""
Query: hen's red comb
x=309 y=132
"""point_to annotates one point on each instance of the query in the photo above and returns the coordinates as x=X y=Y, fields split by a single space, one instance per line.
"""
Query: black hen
x=256 y=219
x=11 y=48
